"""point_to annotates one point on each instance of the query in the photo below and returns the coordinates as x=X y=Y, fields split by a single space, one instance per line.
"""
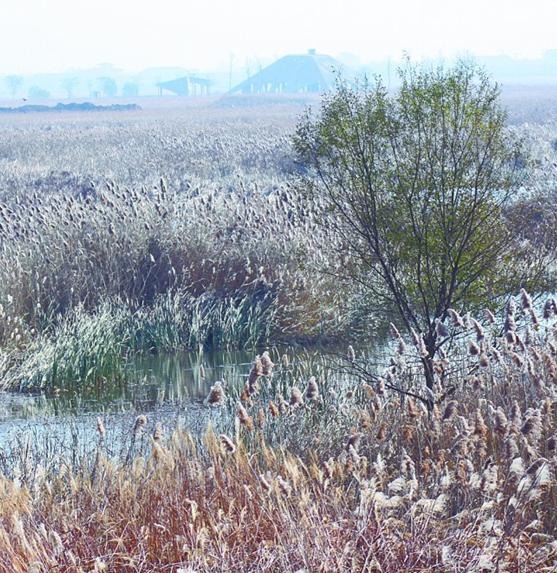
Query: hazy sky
x=55 y=35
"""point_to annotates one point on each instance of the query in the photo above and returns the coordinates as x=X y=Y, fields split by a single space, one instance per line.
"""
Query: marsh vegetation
x=359 y=349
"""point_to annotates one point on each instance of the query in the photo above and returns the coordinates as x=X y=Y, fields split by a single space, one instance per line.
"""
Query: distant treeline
x=70 y=107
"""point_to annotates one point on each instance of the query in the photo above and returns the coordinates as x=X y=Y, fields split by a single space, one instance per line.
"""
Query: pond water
x=170 y=389
x=160 y=385
x=151 y=381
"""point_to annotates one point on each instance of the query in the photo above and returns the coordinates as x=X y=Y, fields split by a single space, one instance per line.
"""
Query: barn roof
x=293 y=73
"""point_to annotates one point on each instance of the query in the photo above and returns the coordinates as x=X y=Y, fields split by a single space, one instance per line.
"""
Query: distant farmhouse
x=311 y=72
x=186 y=86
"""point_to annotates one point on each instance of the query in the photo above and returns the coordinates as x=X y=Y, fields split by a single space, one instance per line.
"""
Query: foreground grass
x=329 y=474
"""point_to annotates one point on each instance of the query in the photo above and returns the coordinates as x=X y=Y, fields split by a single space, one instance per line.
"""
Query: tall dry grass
x=223 y=253
x=153 y=269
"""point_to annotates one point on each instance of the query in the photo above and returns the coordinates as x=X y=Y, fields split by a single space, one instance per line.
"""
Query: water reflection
x=150 y=382
x=48 y=430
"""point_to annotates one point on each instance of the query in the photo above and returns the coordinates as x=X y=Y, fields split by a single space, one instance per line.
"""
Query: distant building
x=186 y=86
x=311 y=72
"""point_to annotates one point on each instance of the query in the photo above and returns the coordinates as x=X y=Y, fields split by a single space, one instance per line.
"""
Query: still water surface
x=151 y=381
x=167 y=388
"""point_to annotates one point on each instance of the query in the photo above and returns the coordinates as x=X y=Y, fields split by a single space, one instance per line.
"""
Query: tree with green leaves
x=416 y=184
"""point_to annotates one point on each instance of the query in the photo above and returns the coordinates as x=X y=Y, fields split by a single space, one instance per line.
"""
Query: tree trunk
x=427 y=361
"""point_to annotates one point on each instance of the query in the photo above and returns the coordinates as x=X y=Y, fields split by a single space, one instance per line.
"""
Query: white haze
x=57 y=35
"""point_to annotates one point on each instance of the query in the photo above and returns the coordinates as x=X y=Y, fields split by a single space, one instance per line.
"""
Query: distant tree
x=69 y=84
x=417 y=184
x=108 y=86
x=14 y=83
x=130 y=89
x=230 y=67
x=35 y=92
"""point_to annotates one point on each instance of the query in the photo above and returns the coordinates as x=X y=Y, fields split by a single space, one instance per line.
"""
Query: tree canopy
x=416 y=183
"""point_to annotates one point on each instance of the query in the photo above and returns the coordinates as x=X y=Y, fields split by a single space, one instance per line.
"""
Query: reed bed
x=72 y=153
x=155 y=270
x=222 y=253
x=303 y=468
x=339 y=471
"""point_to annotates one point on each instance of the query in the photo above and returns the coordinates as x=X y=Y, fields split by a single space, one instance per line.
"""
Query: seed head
x=312 y=390
x=158 y=434
x=480 y=334
x=245 y=419
x=139 y=424
x=261 y=419
x=484 y=360
x=354 y=441
x=266 y=364
x=227 y=444
x=489 y=316
x=501 y=422
x=216 y=395
x=549 y=308
x=441 y=330
x=255 y=373
x=450 y=410
x=525 y=300
x=473 y=348
x=457 y=320
x=296 y=398
x=273 y=409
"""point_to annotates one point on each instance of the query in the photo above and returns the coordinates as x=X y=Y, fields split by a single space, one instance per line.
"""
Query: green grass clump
x=85 y=347
x=81 y=348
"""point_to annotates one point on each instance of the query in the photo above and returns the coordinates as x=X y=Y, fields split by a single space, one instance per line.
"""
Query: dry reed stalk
x=216 y=396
